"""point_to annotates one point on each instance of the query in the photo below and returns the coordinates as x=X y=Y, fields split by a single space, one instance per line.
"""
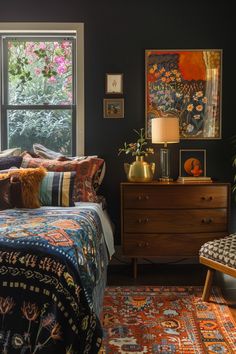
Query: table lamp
x=165 y=130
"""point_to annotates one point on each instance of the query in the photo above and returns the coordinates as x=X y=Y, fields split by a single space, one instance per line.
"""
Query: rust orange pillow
x=85 y=173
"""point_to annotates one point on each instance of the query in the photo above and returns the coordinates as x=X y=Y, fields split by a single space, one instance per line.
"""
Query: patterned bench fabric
x=222 y=250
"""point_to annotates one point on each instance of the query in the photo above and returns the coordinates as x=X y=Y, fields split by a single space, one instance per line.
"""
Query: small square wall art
x=113 y=108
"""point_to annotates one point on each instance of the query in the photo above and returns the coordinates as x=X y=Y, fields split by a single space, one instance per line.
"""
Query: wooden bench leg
x=208 y=283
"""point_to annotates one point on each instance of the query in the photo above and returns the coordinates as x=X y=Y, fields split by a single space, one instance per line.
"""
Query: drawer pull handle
x=207 y=198
x=139 y=197
x=140 y=244
x=143 y=221
x=146 y=244
x=207 y=221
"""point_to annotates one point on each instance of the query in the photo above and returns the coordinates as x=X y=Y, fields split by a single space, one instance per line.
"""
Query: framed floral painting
x=187 y=84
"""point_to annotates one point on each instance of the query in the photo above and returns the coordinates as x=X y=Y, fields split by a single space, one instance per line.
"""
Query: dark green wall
x=116 y=35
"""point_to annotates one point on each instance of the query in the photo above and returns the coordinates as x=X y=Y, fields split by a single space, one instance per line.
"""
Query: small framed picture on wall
x=114 y=84
x=113 y=108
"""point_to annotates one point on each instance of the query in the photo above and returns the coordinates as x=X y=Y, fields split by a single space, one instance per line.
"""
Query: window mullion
x=5 y=97
x=38 y=107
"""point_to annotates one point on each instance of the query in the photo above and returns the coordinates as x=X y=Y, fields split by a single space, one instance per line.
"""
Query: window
x=40 y=96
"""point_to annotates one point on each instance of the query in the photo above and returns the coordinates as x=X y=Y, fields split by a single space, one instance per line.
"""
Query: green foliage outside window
x=40 y=73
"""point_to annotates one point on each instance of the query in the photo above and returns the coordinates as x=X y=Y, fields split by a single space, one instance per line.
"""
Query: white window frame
x=78 y=30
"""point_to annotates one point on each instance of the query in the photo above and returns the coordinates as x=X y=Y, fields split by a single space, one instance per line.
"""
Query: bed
x=53 y=263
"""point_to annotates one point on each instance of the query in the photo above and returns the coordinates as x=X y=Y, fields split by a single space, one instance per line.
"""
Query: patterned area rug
x=166 y=320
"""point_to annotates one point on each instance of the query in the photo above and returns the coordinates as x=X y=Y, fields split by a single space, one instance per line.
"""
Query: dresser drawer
x=160 y=245
x=174 y=196
x=175 y=221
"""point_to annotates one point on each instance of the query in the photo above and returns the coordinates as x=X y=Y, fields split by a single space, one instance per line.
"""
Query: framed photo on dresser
x=192 y=163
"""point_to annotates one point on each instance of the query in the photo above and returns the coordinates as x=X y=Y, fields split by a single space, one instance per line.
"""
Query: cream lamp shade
x=165 y=130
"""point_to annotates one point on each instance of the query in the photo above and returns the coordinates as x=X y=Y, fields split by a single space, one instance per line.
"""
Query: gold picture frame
x=114 y=84
x=113 y=108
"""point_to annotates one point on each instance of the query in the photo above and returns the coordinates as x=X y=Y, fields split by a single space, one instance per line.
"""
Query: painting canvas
x=114 y=83
x=192 y=163
x=186 y=84
x=113 y=108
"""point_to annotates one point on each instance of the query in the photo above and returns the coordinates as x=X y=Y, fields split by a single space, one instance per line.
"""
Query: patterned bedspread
x=51 y=263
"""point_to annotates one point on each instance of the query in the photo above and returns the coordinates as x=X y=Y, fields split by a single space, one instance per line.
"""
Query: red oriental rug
x=166 y=320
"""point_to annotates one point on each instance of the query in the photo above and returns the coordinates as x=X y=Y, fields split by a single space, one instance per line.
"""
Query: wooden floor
x=166 y=274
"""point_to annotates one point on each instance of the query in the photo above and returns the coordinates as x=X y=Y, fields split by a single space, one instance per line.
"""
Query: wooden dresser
x=172 y=219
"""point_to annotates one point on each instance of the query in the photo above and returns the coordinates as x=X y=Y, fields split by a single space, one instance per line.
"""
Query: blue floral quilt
x=52 y=260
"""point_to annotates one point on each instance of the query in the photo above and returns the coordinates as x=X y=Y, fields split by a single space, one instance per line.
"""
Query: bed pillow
x=85 y=172
x=5 y=194
x=57 y=188
x=98 y=178
x=10 y=161
x=29 y=179
x=45 y=153
x=9 y=170
x=16 y=192
x=42 y=152
x=10 y=152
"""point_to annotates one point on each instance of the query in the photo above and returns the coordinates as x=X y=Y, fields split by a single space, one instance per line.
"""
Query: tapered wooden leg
x=134 y=260
x=208 y=283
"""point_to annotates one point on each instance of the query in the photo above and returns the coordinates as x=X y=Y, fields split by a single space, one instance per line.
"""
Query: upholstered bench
x=218 y=255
